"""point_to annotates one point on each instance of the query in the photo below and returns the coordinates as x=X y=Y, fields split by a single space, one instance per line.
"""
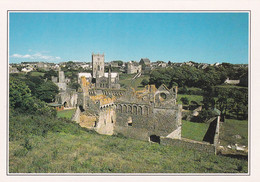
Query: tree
x=47 y=91
x=145 y=82
x=74 y=85
x=33 y=82
x=223 y=102
x=19 y=93
x=239 y=103
x=21 y=100
x=50 y=73
x=185 y=100
x=208 y=98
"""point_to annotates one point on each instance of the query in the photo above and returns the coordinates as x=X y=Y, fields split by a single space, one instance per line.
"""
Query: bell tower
x=98 y=61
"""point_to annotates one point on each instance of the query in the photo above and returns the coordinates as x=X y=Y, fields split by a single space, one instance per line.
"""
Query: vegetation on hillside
x=47 y=145
x=66 y=113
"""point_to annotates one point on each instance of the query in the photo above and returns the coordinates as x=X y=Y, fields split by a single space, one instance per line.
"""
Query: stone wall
x=189 y=144
x=76 y=116
x=67 y=98
x=106 y=121
x=133 y=118
x=133 y=68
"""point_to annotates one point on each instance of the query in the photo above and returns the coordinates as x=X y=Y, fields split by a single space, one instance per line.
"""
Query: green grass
x=35 y=73
x=89 y=152
x=194 y=131
x=232 y=127
x=230 y=86
x=65 y=113
x=125 y=80
x=40 y=144
x=197 y=98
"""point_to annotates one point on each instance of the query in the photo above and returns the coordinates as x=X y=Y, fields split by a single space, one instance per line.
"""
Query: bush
x=145 y=82
x=21 y=126
x=204 y=116
x=185 y=100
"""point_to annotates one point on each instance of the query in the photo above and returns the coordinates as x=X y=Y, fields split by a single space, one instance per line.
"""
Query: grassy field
x=197 y=98
x=194 y=131
x=35 y=73
x=40 y=144
x=232 y=127
x=65 y=113
x=125 y=80
x=88 y=152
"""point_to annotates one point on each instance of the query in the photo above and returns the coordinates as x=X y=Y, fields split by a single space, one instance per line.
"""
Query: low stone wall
x=189 y=144
x=135 y=133
x=76 y=116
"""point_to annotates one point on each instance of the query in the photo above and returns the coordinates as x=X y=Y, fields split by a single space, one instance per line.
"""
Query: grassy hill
x=60 y=146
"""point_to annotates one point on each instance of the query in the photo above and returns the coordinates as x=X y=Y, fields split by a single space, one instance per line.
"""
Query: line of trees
x=188 y=76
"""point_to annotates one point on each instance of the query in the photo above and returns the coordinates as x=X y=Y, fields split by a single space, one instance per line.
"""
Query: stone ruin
x=148 y=114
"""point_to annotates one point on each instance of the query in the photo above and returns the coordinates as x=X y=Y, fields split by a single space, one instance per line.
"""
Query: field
x=66 y=113
x=93 y=153
x=194 y=131
x=126 y=79
x=35 y=73
x=232 y=127
x=196 y=98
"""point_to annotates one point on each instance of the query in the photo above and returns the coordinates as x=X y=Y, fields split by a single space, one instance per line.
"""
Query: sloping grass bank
x=66 y=148
x=66 y=113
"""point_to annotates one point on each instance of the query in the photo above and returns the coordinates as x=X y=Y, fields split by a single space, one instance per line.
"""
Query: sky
x=165 y=36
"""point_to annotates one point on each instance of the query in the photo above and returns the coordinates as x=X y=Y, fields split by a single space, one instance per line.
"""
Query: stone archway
x=155 y=138
x=65 y=104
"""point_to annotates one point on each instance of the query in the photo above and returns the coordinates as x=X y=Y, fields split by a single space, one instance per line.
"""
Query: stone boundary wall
x=136 y=133
x=189 y=144
x=216 y=137
x=76 y=116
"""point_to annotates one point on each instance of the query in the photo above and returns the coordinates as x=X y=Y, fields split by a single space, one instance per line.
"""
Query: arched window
x=129 y=109
x=146 y=110
x=124 y=109
x=139 y=110
x=135 y=110
x=119 y=108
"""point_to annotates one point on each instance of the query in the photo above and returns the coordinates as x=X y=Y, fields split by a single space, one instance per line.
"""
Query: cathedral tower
x=98 y=65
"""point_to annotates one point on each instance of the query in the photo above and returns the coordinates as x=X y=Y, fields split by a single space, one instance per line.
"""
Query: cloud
x=36 y=56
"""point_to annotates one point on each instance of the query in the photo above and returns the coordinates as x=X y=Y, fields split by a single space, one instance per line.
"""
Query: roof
x=145 y=60
x=87 y=75
x=54 y=104
x=113 y=75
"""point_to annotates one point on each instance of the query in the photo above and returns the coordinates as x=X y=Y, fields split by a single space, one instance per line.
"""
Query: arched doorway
x=155 y=138
x=65 y=104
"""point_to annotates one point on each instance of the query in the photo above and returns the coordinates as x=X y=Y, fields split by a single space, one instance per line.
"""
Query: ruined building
x=67 y=97
x=133 y=67
x=148 y=114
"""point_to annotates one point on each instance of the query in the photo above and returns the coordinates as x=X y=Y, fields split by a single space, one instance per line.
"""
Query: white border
x=183 y=5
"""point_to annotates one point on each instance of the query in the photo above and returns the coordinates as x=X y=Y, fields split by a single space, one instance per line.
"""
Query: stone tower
x=61 y=76
x=98 y=65
x=109 y=78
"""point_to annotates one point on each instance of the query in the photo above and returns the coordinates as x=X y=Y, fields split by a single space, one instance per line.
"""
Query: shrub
x=204 y=116
x=144 y=82
x=185 y=100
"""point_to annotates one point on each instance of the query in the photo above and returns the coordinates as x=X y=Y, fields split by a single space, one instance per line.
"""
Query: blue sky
x=176 y=37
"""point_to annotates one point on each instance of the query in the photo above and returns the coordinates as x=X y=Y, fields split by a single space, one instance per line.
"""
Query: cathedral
x=99 y=77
